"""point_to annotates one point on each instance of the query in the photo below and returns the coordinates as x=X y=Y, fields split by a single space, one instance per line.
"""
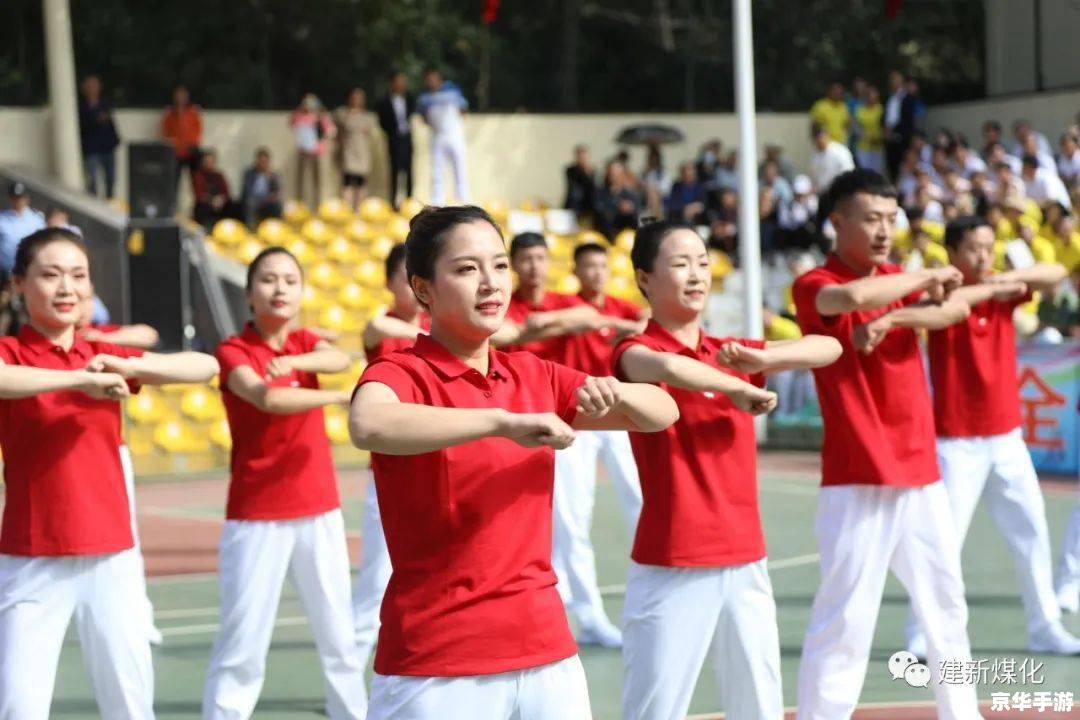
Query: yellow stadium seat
x=272 y=231
x=529 y=206
x=351 y=296
x=176 y=436
x=360 y=232
x=376 y=210
x=248 y=250
x=200 y=404
x=303 y=252
x=621 y=265
x=719 y=263
x=568 y=284
x=335 y=211
x=625 y=240
x=341 y=250
x=316 y=231
x=497 y=209
x=369 y=274
x=410 y=208
x=296 y=213
x=622 y=288
x=311 y=299
x=381 y=247
x=335 y=317
x=591 y=236
x=337 y=425
x=229 y=232
x=324 y=275
x=398 y=228
x=220 y=434
x=146 y=407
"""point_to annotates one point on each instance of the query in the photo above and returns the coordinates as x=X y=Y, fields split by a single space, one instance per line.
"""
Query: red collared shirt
x=65 y=487
x=699 y=476
x=389 y=345
x=468 y=528
x=281 y=465
x=520 y=309
x=879 y=426
x=591 y=351
x=973 y=367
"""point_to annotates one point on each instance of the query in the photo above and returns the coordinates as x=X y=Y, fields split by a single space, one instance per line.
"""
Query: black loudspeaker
x=151 y=180
x=159 y=278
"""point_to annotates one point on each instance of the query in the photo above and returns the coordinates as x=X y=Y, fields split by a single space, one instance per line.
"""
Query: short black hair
x=957 y=229
x=432 y=69
x=648 y=239
x=428 y=231
x=253 y=266
x=853 y=182
x=586 y=248
x=394 y=260
x=526 y=240
x=30 y=245
x=1030 y=161
x=992 y=125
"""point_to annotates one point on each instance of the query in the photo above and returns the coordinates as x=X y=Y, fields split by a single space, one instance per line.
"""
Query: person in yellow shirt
x=831 y=113
x=869 y=153
x=1066 y=241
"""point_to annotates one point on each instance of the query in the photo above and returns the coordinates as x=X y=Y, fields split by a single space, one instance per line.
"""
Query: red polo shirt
x=468 y=528
x=65 y=487
x=281 y=464
x=520 y=309
x=591 y=351
x=389 y=345
x=973 y=366
x=699 y=476
x=879 y=426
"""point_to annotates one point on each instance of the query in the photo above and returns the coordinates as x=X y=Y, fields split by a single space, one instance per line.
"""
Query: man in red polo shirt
x=881 y=505
x=980 y=447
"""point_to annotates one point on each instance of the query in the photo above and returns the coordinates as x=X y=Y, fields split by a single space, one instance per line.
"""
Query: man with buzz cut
x=882 y=505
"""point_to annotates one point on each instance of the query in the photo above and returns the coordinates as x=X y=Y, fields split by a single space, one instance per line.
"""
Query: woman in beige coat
x=356 y=127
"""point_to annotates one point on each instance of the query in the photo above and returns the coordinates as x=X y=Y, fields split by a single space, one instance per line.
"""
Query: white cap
x=802 y=185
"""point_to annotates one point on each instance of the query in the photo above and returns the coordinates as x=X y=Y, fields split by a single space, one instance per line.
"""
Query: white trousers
x=999 y=467
x=38 y=598
x=373 y=575
x=863 y=531
x=448 y=147
x=129 y=482
x=549 y=692
x=671 y=620
x=254 y=559
x=1068 y=571
x=575 y=495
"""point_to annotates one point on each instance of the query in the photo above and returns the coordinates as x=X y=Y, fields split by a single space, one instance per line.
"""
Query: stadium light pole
x=63 y=106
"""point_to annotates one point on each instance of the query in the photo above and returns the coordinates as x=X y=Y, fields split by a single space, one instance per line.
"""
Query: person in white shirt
x=1069 y=160
x=830 y=159
x=441 y=106
x=1041 y=185
x=967 y=162
x=1022 y=130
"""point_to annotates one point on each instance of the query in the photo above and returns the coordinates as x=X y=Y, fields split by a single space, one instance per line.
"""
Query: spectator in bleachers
x=1045 y=160
x=918 y=107
x=355 y=130
x=829 y=160
x=312 y=130
x=1022 y=130
x=708 y=160
x=260 y=194
x=831 y=113
x=98 y=136
x=181 y=125
x=656 y=181
x=855 y=100
x=779 y=188
x=687 y=198
x=722 y=207
x=775 y=153
x=992 y=134
x=1069 y=159
x=57 y=217
x=1042 y=185
x=1008 y=183
x=441 y=105
x=727 y=173
x=581 y=185
x=1066 y=240
x=1061 y=311
x=869 y=149
x=967 y=161
x=18 y=221
x=954 y=186
x=618 y=203
x=898 y=122
x=797 y=219
x=623 y=156
x=923 y=149
x=212 y=199
x=394 y=112
x=996 y=154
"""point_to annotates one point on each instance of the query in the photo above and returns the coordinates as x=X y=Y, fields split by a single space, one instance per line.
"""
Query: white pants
x=372 y=577
x=1068 y=572
x=129 y=482
x=549 y=692
x=38 y=597
x=254 y=559
x=862 y=532
x=1000 y=468
x=673 y=616
x=448 y=147
x=575 y=494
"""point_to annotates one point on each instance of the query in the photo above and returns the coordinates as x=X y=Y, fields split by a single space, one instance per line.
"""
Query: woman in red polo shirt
x=698 y=578
x=283 y=517
x=66 y=541
x=462 y=440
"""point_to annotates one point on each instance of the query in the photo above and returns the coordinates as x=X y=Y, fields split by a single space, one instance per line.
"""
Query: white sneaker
x=601 y=633
x=1068 y=597
x=154 y=636
x=1054 y=640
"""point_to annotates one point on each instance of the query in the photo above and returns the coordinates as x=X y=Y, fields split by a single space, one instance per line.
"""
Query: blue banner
x=1050 y=405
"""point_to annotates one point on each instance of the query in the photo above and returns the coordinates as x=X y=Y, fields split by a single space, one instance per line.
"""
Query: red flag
x=892 y=8
x=491 y=11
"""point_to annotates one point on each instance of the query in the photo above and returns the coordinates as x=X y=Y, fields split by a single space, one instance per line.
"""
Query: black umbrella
x=649 y=134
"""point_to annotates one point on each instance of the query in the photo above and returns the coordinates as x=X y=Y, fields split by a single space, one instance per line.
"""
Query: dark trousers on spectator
x=106 y=163
x=894 y=156
x=207 y=215
x=255 y=213
x=400 y=148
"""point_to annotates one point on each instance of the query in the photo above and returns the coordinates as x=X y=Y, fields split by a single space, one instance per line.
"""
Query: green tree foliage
x=631 y=55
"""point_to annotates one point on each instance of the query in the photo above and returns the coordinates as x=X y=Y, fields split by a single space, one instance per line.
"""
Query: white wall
x=1049 y=112
x=511 y=157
